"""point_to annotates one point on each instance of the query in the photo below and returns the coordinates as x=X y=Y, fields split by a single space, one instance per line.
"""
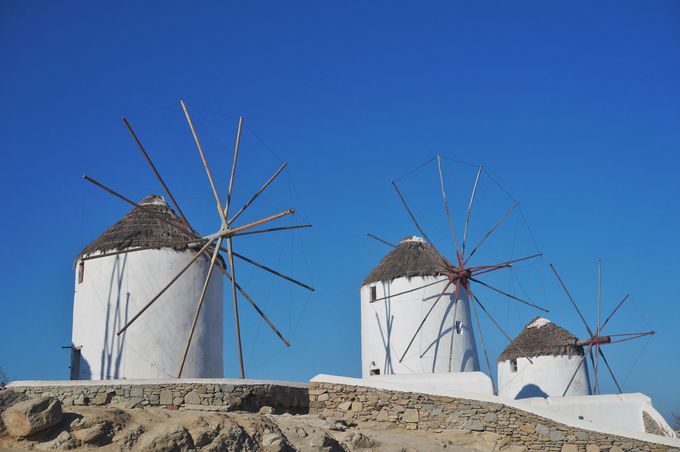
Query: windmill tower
x=108 y=289
x=596 y=340
x=553 y=356
x=181 y=272
x=439 y=296
x=413 y=264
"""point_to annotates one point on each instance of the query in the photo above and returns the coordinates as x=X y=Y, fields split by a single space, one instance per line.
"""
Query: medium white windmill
x=412 y=296
x=184 y=262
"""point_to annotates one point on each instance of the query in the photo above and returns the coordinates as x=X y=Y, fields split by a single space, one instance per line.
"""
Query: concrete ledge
x=227 y=394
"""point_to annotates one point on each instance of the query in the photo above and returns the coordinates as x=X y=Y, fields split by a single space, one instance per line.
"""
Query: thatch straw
x=412 y=257
x=142 y=229
x=541 y=337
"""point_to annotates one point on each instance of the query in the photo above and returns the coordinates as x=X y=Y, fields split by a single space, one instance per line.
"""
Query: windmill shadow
x=115 y=345
x=531 y=390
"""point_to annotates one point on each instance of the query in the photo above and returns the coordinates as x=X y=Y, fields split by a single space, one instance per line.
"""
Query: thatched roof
x=140 y=228
x=412 y=257
x=541 y=337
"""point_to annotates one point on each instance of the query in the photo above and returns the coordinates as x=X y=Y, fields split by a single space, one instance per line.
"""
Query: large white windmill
x=417 y=306
x=148 y=302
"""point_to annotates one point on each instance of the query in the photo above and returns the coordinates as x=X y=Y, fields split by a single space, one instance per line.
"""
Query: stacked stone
x=228 y=397
x=415 y=411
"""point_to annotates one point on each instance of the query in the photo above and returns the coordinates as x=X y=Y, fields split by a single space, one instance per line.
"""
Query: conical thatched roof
x=412 y=257
x=541 y=337
x=140 y=228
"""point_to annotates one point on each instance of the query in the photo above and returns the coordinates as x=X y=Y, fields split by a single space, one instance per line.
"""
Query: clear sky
x=573 y=107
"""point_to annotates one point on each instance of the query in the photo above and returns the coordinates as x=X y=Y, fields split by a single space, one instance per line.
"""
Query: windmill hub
x=595 y=340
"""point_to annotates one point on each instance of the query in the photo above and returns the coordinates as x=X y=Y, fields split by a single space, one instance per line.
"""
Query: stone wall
x=415 y=411
x=228 y=396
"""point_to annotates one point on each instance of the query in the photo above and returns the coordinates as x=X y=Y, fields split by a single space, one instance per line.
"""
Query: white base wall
x=548 y=376
x=115 y=288
x=388 y=325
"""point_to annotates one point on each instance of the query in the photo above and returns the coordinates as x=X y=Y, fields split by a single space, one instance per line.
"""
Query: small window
x=374 y=293
x=513 y=365
x=373 y=370
x=81 y=271
x=459 y=326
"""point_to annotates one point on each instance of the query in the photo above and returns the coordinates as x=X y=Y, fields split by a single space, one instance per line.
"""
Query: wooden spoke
x=255 y=196
x=552 y=267
x=597 y=326
x=613 y=312
x=481 y=339
x=259 y=311
x=596 y=385
x=453 y=325
x=381 y=240
x=167 y=286
x=583 y=358
x=260 y=231
x=233 y=293
x=272 y=271
x=410 y=214
x=423 y=322
x=233 y=168
x=474 y=297
x=205 y=163
x=632 y=337
x=179 y=227
x=144 y=248
x=604 y=359
x=198 y=308
x=232 y=232
x=508 y=295
x=446 y=202
x=467 y=217
x=504 y=264
x=409 y=291
x=493 y=228
x=155 y=171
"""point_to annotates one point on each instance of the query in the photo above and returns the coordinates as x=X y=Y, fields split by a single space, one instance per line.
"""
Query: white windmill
x=148 y=302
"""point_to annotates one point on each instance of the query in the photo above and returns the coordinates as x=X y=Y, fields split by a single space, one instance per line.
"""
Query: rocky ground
x=44 y=424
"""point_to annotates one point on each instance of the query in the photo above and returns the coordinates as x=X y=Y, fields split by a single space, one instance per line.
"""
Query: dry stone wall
x=414 y=411
x=227 y=396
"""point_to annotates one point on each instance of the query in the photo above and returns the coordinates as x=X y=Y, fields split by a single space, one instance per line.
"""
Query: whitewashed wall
x=115 y=288
x=388 y=325
x=547 y=376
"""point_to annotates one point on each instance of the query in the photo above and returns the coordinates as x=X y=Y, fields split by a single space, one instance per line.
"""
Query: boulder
x=167 y=438
x=32 y=415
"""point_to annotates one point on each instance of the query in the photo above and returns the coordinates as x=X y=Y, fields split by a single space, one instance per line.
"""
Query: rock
x=322 y=397
x=338 y=425
x=527 y=428
x=383 y=416
x=557 y=435
x=266 y=410
x=361 y=441
x=410 y=415
x=616 y=449
x=357 y=406
x=166 y=397
x=130 y=438
x=581 y=436
x=322 y=441
x=592 y=448
x=92 y=434
x=167 y=438
x=490 y=417
x=232 y=439
x=63 y=441
x=474 y=425
x=192 y=398
x=32 y=415
x=570 y=448
x=345 y=406
x=273 y=440
x=542 y=429
x=134 y=402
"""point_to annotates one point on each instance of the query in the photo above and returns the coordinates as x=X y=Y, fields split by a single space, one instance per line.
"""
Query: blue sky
x=573 y=107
